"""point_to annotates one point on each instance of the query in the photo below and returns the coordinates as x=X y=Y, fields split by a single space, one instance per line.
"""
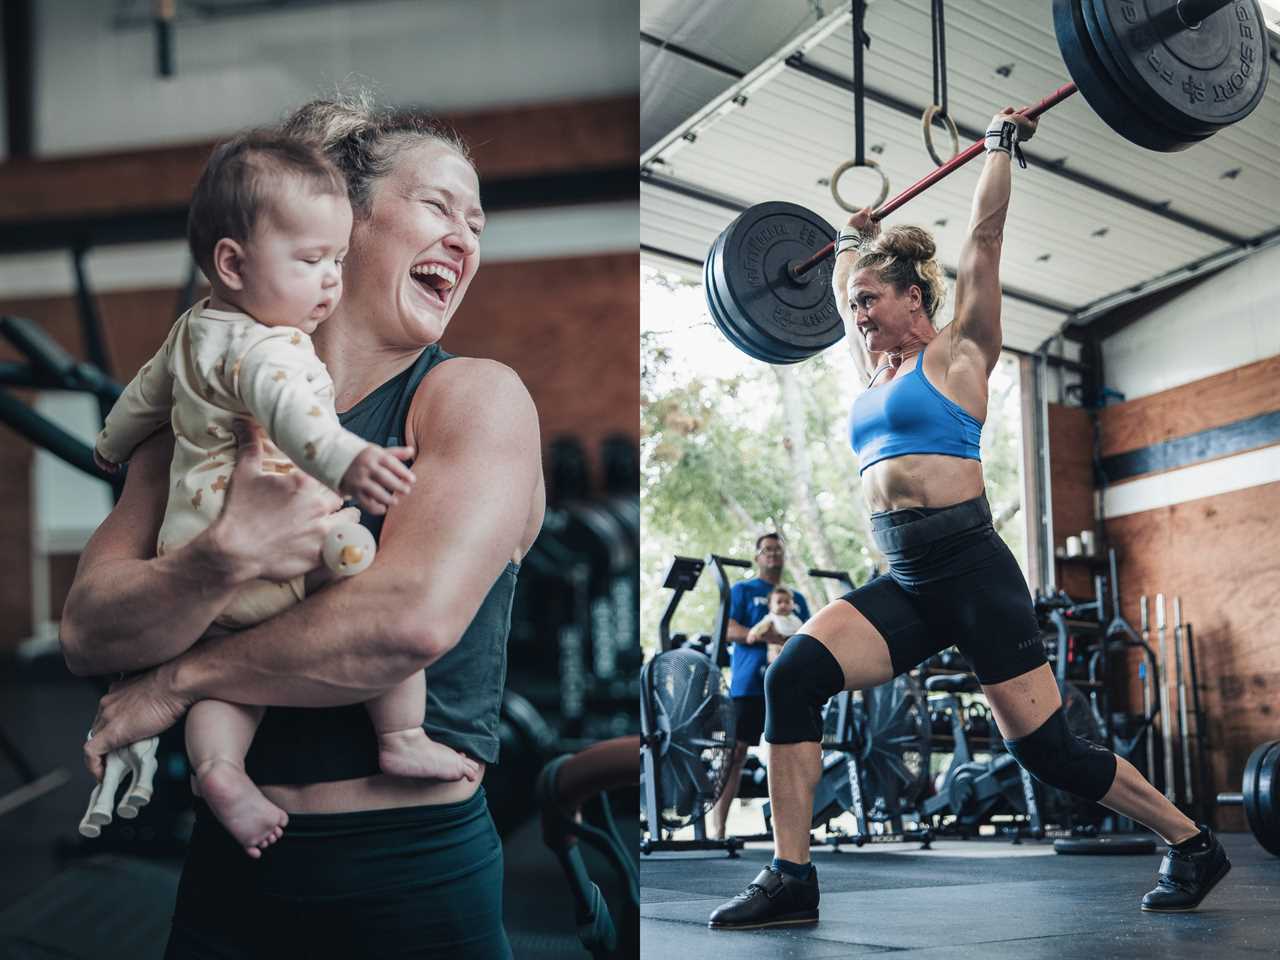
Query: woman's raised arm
x=864 y=361
x=978 y=292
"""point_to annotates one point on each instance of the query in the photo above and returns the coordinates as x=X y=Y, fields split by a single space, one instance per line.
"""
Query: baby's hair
x=242 y=180
x=904 y=257
x=785 y=591
x=365 y=140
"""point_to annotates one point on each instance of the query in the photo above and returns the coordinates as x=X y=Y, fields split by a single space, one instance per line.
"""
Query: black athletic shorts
x=748 y=719
x=405 y=882
x=951 y=580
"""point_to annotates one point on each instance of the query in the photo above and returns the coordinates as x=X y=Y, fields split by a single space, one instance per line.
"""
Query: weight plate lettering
x=751 y=294
x=1193 y=80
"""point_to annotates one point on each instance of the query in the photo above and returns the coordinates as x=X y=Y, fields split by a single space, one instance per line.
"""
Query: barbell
x=1164 y=74
x=1260 y=795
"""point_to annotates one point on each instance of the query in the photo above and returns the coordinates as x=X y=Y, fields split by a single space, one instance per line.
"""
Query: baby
x=781 y=617
x=269 y=225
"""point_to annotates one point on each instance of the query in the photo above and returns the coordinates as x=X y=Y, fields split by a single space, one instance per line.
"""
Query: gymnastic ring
x=849 y=165
x=931 y=113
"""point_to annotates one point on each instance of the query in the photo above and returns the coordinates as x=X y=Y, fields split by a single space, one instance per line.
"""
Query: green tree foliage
x=713 y=460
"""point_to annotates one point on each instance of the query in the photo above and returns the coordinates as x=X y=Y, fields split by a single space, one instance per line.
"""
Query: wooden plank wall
x=575 y=345
x=1224 y=398
x=1221 y=555
x=1071 y=485
x=505 y=142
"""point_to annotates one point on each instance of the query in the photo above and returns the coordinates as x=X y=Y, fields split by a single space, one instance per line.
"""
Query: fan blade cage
x=692 y=710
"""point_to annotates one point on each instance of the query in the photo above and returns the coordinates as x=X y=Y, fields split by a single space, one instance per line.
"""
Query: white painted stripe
x=512 y=235
x=131 y=266
x=1240 y=472
x=562 y=232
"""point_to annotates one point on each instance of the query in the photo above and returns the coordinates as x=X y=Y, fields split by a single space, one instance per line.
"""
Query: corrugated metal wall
x=1093 y=216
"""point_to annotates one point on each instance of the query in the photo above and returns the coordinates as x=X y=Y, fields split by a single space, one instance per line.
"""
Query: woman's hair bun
x=331 y=120
x=911 y=243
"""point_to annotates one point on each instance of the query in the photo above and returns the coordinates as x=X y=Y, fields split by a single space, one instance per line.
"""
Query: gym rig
x=920 y=757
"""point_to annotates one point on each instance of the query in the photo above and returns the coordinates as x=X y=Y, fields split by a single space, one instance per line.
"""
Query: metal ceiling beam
x=695 y=192
x=684 y=53
x=800 y=64
x=1057 y=168
x=686 y=131
x=1204 y=266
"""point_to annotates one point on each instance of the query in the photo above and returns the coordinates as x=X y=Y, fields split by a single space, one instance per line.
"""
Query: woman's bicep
x=478 y=468
x=978 y=294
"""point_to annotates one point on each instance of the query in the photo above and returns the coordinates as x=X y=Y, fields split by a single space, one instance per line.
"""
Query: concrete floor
x=65 y=897
x=962 y=899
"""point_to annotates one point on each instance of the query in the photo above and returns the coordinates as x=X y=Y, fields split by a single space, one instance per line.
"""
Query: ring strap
x=769 y=881
x=1178 y=869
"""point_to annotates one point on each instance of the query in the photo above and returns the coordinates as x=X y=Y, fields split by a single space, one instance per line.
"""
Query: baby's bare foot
x=411 y=753
x=240 y=806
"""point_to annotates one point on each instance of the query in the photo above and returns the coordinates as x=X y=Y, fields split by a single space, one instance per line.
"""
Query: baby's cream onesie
x=215 y=367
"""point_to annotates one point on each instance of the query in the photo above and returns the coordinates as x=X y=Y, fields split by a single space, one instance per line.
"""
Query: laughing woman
x=370 y=865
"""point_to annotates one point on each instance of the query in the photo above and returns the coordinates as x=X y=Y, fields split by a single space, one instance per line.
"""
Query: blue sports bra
x=910 y=415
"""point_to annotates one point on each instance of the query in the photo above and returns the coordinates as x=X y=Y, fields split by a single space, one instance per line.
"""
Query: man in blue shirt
x=748 y=605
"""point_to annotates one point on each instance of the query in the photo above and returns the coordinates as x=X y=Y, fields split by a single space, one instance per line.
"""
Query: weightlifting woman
x=916 y=430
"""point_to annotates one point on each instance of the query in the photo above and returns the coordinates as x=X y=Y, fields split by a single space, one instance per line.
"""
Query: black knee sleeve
x=1058 y=758
x=803 y=678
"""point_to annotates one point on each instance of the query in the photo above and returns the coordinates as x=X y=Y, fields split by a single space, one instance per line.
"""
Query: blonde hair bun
x=910 y=243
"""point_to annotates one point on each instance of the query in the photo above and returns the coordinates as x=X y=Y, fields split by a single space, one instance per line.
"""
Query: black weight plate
x=1128 y=83
x=803 y=319
x=1104 y=93
x=776 y=317
x=1193 y=81
x=736 y=326
x=1262 y=795
x=727 y=320
x=718 y=311
x=1104 y=846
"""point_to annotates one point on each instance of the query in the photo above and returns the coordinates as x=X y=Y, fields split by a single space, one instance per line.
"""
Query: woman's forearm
x=129 y=609
x=131 y=614
x=347 y=644
x=991 y=198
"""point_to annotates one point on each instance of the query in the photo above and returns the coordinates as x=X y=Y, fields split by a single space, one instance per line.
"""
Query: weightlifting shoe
x=772 y=899
x=1186 y=878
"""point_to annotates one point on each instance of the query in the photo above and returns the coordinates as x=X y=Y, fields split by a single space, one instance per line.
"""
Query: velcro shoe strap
x=768 y=881
x=1178 y=869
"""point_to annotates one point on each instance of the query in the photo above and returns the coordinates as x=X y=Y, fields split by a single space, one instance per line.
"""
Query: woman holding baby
x=369 y=863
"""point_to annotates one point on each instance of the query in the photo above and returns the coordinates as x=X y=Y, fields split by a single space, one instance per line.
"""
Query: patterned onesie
x=215 y=367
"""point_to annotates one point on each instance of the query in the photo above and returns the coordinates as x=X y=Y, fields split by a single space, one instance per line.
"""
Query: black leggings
x=405 y=882
x=951 y=580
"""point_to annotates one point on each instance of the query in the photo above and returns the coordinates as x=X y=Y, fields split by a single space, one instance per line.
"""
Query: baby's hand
x=103 y=464
x=376 y=477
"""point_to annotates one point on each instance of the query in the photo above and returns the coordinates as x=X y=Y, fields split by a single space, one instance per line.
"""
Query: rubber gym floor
x=60 y=897
x=965 y=899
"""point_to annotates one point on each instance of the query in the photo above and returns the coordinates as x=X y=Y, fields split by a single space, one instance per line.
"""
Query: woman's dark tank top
x=464 y=690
